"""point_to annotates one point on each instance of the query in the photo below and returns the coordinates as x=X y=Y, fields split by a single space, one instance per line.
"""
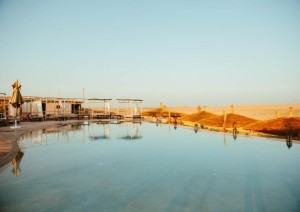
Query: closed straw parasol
x=16 y=99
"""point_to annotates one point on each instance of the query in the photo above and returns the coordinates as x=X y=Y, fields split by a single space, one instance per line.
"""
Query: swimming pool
x=144 y=167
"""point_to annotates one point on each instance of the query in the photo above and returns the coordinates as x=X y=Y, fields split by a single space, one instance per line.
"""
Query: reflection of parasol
x=133 y=134
x=16 y=99
x=16 y=163
x=95 y=137
x=106 y=134
x=129 y=137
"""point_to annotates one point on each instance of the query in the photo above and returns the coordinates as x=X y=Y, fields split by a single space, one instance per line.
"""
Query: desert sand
x=260 y=112
x=263 y=120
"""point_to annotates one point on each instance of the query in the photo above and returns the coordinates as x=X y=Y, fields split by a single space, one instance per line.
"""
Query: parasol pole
x=16 y=117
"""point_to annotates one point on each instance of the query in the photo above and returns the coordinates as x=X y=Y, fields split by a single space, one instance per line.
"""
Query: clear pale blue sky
x=179 y=52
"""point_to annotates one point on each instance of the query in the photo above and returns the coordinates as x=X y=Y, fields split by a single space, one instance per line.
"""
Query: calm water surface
x=144 y=167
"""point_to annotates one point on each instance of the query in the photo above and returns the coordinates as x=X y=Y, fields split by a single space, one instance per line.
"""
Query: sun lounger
x=3 y=122
x=35 y=118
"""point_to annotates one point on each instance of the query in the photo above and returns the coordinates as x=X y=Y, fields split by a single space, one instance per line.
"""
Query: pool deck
x=9 y=137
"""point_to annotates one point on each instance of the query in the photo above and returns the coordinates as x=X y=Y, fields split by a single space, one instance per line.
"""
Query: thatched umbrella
x=279 y=126
x=162 y=112
x=16 y=99
x=194 y=117
x=129 y=137
x=232 y=120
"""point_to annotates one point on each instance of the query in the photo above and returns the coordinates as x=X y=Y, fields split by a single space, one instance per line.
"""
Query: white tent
x=26 y=107
x=37 y=108
x=107 y=107
x=137 y=109
x=11 y=110
x=63 y=106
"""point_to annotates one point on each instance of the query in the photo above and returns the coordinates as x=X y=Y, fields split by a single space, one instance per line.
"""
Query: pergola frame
x=95 y=100
x=130 y=107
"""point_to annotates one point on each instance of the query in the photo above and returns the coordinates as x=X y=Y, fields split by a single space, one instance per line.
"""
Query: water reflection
x=196 y=128
x=130 y=131
x=225 y=143
x=234 y=133
x=90 y=131
x=289 y=140
x=100 y=136
x=58 y=133
x=16 y=170
x=158 y=122
x=107 y=130
x=289 y=144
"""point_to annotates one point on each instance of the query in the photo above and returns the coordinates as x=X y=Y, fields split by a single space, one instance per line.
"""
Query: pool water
x=144 y=167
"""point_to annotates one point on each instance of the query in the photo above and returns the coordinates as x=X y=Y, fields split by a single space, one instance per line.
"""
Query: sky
x=179 y=52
